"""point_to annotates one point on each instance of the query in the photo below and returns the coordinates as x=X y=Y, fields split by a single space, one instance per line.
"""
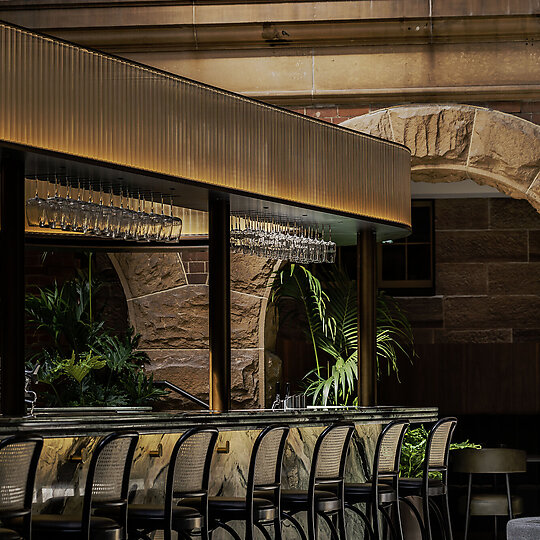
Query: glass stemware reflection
x=274 y=240
x=36 y=209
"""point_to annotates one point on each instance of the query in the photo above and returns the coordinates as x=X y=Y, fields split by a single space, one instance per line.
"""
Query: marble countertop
x=64 y=424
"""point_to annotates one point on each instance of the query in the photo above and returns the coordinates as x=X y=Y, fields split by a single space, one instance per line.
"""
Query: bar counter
x=70 y=439
x=54 y=423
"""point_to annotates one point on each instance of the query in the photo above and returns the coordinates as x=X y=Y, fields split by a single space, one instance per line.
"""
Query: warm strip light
x=67 y=99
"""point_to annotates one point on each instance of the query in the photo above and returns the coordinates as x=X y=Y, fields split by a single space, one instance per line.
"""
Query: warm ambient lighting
x=276 y=240
x=66 y=99
x=76 y=211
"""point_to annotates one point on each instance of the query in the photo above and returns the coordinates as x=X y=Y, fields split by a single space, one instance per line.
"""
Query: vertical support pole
x=366 y=258
x=219 y=301
x=12 y=284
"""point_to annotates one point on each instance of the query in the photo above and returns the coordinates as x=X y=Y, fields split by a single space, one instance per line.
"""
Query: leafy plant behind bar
x=330 y=306
x=85 y=363
x=413 y=452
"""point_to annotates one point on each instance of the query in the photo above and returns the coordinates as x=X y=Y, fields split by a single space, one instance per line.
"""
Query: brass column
x=12 y=284
x=366 y=258
x=219 y=274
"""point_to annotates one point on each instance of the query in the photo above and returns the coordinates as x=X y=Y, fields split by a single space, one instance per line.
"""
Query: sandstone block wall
x=167 y=297
x=487 y=264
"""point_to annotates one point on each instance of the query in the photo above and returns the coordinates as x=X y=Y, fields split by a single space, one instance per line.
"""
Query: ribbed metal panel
x=64 y=98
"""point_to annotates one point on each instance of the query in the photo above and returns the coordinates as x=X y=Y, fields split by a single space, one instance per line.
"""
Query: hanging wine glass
x=176 y=228
x=54 y=214
x=36 y=209
x=166 y=224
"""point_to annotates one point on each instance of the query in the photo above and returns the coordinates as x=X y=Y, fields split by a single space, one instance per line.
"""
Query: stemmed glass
x=36 y=209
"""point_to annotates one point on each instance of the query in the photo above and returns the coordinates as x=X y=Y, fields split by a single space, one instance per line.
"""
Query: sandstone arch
x=169 y=308
x=455 y=142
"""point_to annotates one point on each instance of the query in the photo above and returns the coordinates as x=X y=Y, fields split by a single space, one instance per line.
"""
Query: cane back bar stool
x=491 y=461
x=19 y=457
x=431 y=489
x=383 y=489
x=261 y=506
x=188 y=475
x=106 y=486
x=324 y=496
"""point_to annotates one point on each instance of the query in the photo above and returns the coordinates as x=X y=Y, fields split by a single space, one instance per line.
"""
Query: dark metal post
x=367 y=317
x=220 y=301
x=12 y=284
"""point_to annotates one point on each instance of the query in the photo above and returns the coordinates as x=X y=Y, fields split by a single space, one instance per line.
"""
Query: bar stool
x=106 y=487
x=327 y=471
x=261 y=505
x=9 y=534
x=383 y=489
x=504 y=461
x=188 y=475
x=435 y=460
x=19 y=456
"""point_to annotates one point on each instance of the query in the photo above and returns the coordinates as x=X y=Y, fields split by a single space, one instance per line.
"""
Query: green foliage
x=330 y=305
x=86 y=365
x=414 y=450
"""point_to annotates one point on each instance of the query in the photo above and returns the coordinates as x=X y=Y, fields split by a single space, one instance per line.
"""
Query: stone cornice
x=134 y=26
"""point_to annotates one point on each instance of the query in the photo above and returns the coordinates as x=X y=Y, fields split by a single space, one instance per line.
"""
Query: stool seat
x=54 y=526
x=413 y=486
x=523 y=528
x=293 y=499
x=142 y=516
x=229 y=507
x=493 y=504
x=361 y=493
x=8 y=534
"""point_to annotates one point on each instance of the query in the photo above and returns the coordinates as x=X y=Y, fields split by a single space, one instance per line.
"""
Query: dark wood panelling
x=494 y=378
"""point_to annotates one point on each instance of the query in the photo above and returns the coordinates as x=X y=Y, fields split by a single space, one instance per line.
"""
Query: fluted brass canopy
x=82 y=112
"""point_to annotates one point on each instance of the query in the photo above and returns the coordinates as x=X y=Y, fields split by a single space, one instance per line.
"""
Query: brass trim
x=66 y=99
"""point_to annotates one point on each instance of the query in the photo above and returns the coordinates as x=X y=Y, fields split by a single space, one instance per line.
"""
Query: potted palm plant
x=330 y=305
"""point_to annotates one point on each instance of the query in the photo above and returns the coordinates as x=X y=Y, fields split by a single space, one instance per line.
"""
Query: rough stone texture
x=186 y=368
x=526 y=335
x=453 y=142
x=422 y=311
x=467 y=312
x=176 y=318
x=245 y=311
x=458 y=279
x=250 y=274
x=512 y=214
x=515 y=278
x=189 y=370
x=376 y=123
x=499 y=147
x=245 y=378
x=146 y=273
x=467 y=214
x=434 y=133
x=503 y=335
x=534 y=245
x=481 y=246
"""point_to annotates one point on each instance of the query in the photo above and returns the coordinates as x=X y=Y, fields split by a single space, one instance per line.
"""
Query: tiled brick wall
x=195 y=265
x=529 y=110
x=487 y=264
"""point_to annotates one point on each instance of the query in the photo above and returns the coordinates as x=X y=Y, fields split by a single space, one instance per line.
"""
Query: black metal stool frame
x=335 y=484
x=271 y=491
x=122 y=505
x=26 y=511
x=373 y=502
x=116 y=507
x=203 y=493
x=441 y=467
